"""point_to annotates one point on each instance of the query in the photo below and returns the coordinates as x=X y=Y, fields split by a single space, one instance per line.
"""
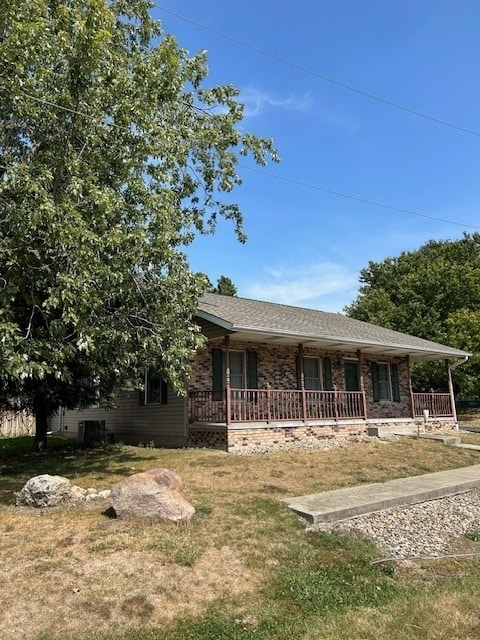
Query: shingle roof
x=280 y=323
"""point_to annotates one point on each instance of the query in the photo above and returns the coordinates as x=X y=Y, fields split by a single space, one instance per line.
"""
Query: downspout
x=454 y=365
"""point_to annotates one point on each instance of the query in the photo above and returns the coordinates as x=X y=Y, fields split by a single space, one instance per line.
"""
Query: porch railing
x=274 y=405
x=439 y=405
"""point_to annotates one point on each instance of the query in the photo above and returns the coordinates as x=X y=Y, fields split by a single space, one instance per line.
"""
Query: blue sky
x=306 y=246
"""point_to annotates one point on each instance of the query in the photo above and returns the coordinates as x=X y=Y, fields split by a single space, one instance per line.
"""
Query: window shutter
x=217 y=369
x=298 y=371
x=395 y=383
x=376 y=393
x=327 y=374
x=252 y=370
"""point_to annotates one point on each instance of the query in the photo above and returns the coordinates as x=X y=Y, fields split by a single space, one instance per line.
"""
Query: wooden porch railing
x=439 y=405
x=274 y=405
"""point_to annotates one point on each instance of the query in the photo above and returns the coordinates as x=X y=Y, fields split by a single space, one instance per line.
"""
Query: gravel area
x=421 y=530
x=320 y=444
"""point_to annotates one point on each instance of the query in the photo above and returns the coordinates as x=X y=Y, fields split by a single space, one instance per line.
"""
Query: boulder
x=153 y=494
x=45 y=491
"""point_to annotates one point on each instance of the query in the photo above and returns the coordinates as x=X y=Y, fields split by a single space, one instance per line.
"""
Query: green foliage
x=225 y=287
x=113 y=154
x=433 y=293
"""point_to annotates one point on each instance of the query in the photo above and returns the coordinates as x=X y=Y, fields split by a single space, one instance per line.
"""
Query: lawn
x=244 y=568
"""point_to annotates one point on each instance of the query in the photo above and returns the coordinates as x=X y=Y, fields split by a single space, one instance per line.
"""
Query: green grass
x=304 y=585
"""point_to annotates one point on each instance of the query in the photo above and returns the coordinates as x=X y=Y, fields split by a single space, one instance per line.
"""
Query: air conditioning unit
x=90 y=431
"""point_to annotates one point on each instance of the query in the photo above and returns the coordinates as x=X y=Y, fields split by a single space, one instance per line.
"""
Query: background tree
x=433 y=293
x=112 y=155
x=225 y=287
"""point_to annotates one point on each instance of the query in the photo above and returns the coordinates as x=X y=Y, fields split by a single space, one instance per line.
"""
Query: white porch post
x=452 y=393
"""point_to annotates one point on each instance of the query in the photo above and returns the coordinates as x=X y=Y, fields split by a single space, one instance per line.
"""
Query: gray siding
x=133 y=423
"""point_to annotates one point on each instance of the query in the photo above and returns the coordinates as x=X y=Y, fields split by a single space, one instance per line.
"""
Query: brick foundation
x=242 y=437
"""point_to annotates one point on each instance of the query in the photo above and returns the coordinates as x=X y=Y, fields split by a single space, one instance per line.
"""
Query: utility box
x=91 y=431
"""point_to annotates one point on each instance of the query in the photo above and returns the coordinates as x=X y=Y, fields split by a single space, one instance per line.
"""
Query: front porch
x=230 y=406
x=237 y=420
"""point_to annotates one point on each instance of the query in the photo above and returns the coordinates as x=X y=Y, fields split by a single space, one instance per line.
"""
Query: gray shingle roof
x=280 y=323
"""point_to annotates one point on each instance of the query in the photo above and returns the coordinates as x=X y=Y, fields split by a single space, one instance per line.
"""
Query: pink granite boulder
x=152 y=494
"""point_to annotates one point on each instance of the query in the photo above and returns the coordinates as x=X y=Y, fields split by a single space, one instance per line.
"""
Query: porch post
x=302 y=383
x=410 y=390
x=228 y=399
x=452 y=393
x=362 y=382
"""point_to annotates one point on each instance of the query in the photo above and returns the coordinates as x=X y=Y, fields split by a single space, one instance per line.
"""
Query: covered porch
x=229 y=406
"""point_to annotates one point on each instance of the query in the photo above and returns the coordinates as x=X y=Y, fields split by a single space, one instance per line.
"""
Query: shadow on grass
x=64 y=457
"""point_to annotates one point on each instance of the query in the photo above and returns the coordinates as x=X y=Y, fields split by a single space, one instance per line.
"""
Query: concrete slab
x=341 y=504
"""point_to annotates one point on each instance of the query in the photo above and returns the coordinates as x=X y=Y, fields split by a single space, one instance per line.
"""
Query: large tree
x=433 y=293
x=113 y=153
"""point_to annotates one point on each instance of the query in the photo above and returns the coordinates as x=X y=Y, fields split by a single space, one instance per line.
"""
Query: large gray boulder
x=153 y=494
x=45 y=491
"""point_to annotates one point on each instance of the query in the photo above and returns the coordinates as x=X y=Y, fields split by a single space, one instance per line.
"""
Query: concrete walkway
x=342 y=504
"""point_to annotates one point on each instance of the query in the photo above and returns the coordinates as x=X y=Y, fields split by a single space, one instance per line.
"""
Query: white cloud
x=322 y=285
x=257 y=102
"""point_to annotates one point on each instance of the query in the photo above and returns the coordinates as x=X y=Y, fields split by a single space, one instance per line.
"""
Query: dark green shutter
x=252 y=370
x=395 y=383
x=298 y=370
x=327 y=374
x=217 y=369
x=374 y=370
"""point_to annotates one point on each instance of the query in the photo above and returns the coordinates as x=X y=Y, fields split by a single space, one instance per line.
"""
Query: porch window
x=317 y=373
x=243 y=369
x=154 y=388
x=385 y=382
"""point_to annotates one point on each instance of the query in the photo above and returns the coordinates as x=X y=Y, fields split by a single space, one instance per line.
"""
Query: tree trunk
x=40 y=411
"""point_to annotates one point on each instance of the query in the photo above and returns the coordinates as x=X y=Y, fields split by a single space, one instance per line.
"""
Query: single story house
x=277 y=374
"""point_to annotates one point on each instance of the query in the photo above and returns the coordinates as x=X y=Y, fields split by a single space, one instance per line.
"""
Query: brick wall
x=276 y=366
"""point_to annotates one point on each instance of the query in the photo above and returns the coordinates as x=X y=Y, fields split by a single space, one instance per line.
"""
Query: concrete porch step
x=341 y=504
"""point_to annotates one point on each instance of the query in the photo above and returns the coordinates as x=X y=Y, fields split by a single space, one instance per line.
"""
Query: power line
x=358 y=199
x=285 y=179
x=299 y=67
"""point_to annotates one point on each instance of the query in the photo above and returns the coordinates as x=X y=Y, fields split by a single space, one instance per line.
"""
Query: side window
x=155 y=388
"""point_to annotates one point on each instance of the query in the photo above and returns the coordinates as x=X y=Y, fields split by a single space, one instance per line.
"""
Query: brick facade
x=276 y=367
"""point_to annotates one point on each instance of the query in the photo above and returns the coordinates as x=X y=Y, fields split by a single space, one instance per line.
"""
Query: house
x=277 y=374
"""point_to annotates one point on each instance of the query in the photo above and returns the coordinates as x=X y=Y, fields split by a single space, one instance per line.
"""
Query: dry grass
x=75 y=572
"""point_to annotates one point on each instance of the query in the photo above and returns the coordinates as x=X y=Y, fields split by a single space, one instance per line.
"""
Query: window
x=155 y=388
x=243 y=369
x=385 y=382
x=317 y=373
x=237 y=370
x=312 y=373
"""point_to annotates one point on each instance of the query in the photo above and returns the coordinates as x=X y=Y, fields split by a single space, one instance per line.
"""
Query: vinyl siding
x=132 y=423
